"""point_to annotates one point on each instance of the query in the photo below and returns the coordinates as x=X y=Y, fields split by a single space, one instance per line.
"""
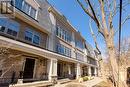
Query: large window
x=64 y=34
x=79 y=56
x=18 y=3
x=28 y=35
x=79 y=44
x=9 y=27
x=33 y=12
x=26 y=7
x=91 y=61
x=29 y=9
x=63 y=50
x=32 y=36
x=36 y=39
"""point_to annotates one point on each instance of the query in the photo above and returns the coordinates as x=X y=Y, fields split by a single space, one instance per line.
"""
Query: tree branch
x=94 y=37
x=93 y=15
x=124 y=21
x=93 y=12
x=85 y=10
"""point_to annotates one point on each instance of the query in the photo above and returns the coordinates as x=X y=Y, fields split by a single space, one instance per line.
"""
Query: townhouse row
x=39 y=43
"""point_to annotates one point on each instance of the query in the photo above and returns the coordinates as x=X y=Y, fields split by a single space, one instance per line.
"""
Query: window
x=28 y=9
x=11 y=32
x=28 y=35
x=33 y=12
x=79 y=56
x=57 y=31
x=0 y=72
x=32 y=36
x=63 y=34
x=63 y=50
x=9 y=26
x=18 y=3
x=79 y=44
x=2 y=28
x=36 y=39
x=91 y=61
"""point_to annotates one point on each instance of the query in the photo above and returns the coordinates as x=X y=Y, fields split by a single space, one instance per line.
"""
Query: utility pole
x=120 y=17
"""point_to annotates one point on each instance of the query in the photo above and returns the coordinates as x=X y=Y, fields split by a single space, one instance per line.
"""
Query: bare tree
x=102 y=13
x=7 y=58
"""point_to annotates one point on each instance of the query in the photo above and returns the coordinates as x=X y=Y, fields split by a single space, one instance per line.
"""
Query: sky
x=76 y=16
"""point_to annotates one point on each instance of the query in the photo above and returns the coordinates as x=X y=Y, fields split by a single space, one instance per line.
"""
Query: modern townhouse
x=70 y=43
x=40 y=44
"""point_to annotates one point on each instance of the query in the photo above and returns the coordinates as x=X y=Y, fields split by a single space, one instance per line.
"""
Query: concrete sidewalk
x=93 y=82
x=89 y=83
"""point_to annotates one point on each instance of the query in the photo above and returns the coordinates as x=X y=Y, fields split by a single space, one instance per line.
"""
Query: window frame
x=36 y=34
x=63 y=34
x=30 y=8
x=61 y=49
x=33 y=34
x=30 y=31
x=9 y=24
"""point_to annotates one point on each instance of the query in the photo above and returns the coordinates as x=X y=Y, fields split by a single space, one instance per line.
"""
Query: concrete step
x=34 y=84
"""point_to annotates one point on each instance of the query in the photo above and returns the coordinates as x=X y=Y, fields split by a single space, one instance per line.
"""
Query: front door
x=60 y=70
x=128 y=76
x=29 y=68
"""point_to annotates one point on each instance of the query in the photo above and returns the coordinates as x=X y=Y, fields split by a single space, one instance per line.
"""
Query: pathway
x=90 y=83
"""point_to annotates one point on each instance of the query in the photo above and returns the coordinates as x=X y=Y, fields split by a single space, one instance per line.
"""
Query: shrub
x=85 y=78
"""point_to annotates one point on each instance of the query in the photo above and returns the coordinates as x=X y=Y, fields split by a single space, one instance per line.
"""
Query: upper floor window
x=18 y=3
x=32 y=36
x=91 y=61
x=63 y=50
x=36 y=39
x=2 y=28
x=79 y=56
x=9 y=27
x=29 y=9
x=33 y=12
x=65 y=35
x=28 y=35
x=26 y=7
x=79 y=44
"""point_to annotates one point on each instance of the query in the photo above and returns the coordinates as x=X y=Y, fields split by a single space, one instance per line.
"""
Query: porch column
x=52 y=69
x=69 y=69
x=89 y=71
x=73 y=46
x=95 y=71
x=78 y=71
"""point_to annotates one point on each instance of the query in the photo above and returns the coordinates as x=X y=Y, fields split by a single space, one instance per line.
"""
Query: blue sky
x=77 y=17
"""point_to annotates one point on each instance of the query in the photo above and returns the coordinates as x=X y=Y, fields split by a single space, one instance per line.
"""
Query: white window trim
x=29 y=9
x=36 y=14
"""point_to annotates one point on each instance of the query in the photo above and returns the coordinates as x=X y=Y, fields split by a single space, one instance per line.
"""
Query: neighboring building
x=43 y=45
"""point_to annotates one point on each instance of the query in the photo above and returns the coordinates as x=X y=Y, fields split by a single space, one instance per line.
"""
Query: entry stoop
x=33 y=84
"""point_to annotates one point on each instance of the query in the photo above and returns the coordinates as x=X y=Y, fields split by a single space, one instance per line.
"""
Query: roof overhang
x=20 y=46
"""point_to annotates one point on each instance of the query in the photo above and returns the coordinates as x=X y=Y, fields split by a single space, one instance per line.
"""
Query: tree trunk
x=114 y=63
